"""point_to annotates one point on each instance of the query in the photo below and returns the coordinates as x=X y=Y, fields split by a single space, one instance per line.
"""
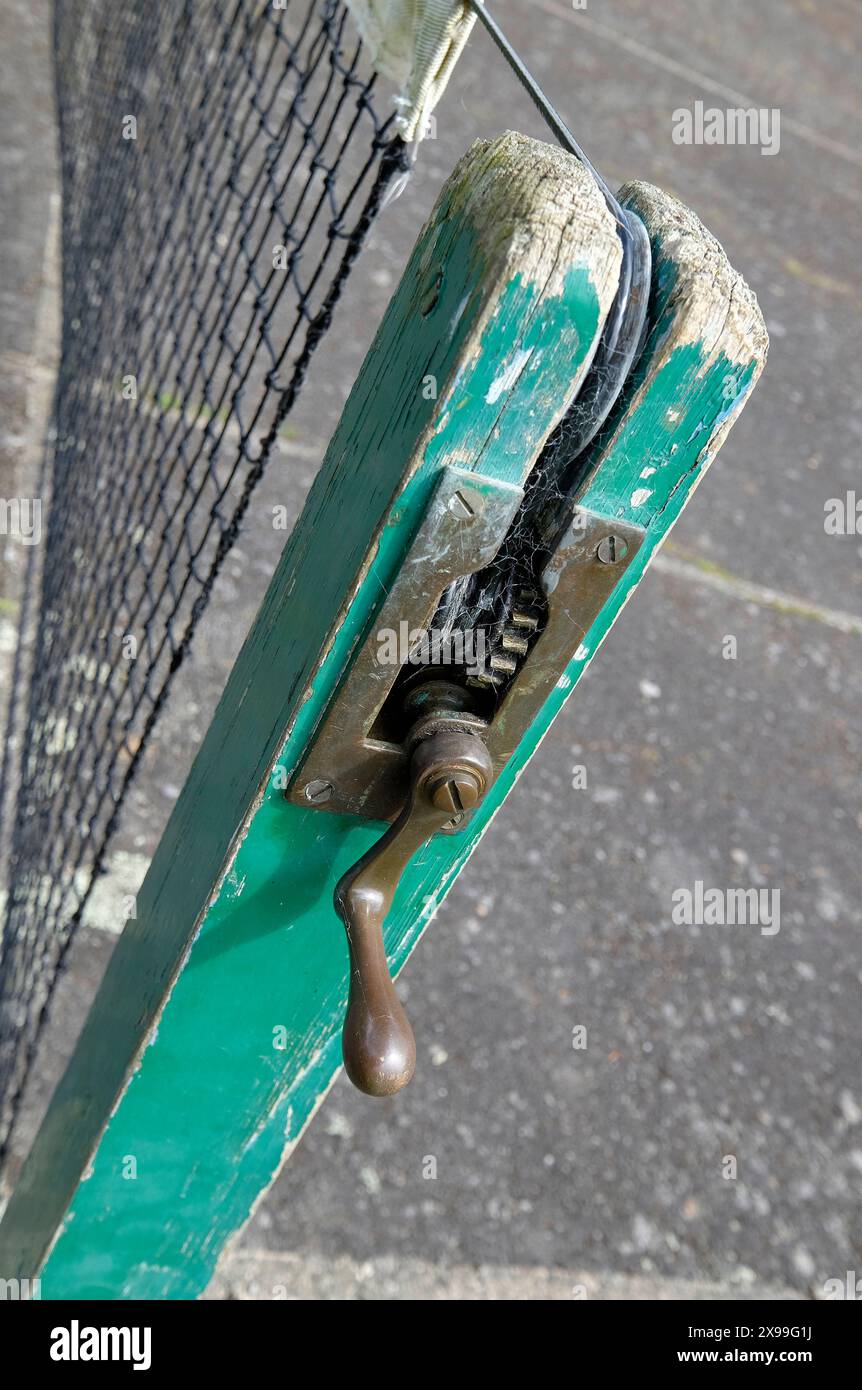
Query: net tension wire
x=625 y=330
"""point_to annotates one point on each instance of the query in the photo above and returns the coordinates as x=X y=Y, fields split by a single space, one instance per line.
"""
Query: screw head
x=318 y=791
x=611 y=550
x=455 y=791
x=466 y=503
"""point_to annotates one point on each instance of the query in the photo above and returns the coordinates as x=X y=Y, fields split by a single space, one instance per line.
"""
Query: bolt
x=318 y=791
x=611 y=550
x=455 y=791
x=466 y=503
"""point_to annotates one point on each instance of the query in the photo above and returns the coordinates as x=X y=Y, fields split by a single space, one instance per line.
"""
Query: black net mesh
x=221 y=165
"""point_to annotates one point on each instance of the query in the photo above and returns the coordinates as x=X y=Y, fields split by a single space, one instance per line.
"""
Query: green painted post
x=235 y=936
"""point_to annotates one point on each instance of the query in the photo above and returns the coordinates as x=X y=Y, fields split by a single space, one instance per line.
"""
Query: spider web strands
x=253 y=127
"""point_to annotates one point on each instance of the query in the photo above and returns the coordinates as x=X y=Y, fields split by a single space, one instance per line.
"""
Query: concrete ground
x=602 y=1170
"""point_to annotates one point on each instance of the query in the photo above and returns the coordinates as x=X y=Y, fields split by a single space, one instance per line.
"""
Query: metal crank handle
x=449 y=774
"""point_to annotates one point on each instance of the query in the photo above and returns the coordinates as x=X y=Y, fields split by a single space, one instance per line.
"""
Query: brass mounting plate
x=348 y=772
x=582 y=573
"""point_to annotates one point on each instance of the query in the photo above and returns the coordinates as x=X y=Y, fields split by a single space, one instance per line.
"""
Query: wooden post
x=178 y=1076
x=216 y=1031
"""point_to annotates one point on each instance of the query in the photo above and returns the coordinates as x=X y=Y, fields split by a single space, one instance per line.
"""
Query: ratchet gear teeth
x=527 y=621
x=514 y=642
x=484 y=680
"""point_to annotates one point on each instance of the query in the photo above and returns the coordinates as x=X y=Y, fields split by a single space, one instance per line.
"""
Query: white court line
x=268 y=1274
x=761 y=594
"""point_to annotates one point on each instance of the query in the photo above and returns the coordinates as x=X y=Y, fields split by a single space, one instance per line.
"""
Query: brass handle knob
x=449 y=773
